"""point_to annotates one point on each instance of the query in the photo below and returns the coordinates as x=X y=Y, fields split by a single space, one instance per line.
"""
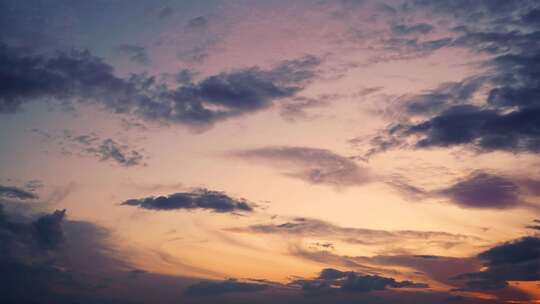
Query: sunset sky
x=270 y=151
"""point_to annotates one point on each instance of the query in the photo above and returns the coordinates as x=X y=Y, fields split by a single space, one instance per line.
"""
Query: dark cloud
x=135 y=53
x=22 y=244
x=482 y=128
x=439 y=268
x=197 y=199
x=535 y=225
x=17 y=193
x=444 y=96
x=50 y=259
x=210 y=288
x=47 y=230
x=331 y=280
x=479 y=190
x=332 y=274
x=185 y=76
x=356 y=283
x=420 y=28
x=316 y=166
x=518 y=260
x=63 y=76
x=515 y=252
x=462 y=114
x=79 y=76
x=21 y=237
x=482 y=190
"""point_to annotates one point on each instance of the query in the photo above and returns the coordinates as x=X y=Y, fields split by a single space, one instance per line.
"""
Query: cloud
x=210 y=288
x=135 y=53
x=485 y=129
x=479 y=190
x=22 y=253
x=471 y=11
x=433 y=267
x=332 y=274
x=356 y=283
x=420 y=28
x=47 y=230
x=215 y=201
x=80 y=76
x=19 y=237
x=47 y=258
x=535 y=225
x=104 y=149
x=64 y=76
x=518 y=260
x=295 y=109
x=390 y=240
x=463 y=114
x=331 y=280
x=482 y=190
x=17 y=193
x=442 y=97
x=315 y=166
x=111 y=150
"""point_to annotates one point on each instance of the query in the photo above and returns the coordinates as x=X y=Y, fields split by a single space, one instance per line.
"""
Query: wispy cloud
x=315 y=166
x=398 y=240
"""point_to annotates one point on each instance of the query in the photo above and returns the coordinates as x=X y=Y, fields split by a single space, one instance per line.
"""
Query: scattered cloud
x=81 y=76
x=109 y=149
x=496 y=109
x=91 y=144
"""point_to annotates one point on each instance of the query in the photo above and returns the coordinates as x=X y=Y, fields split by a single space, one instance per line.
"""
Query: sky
x=250 y=151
